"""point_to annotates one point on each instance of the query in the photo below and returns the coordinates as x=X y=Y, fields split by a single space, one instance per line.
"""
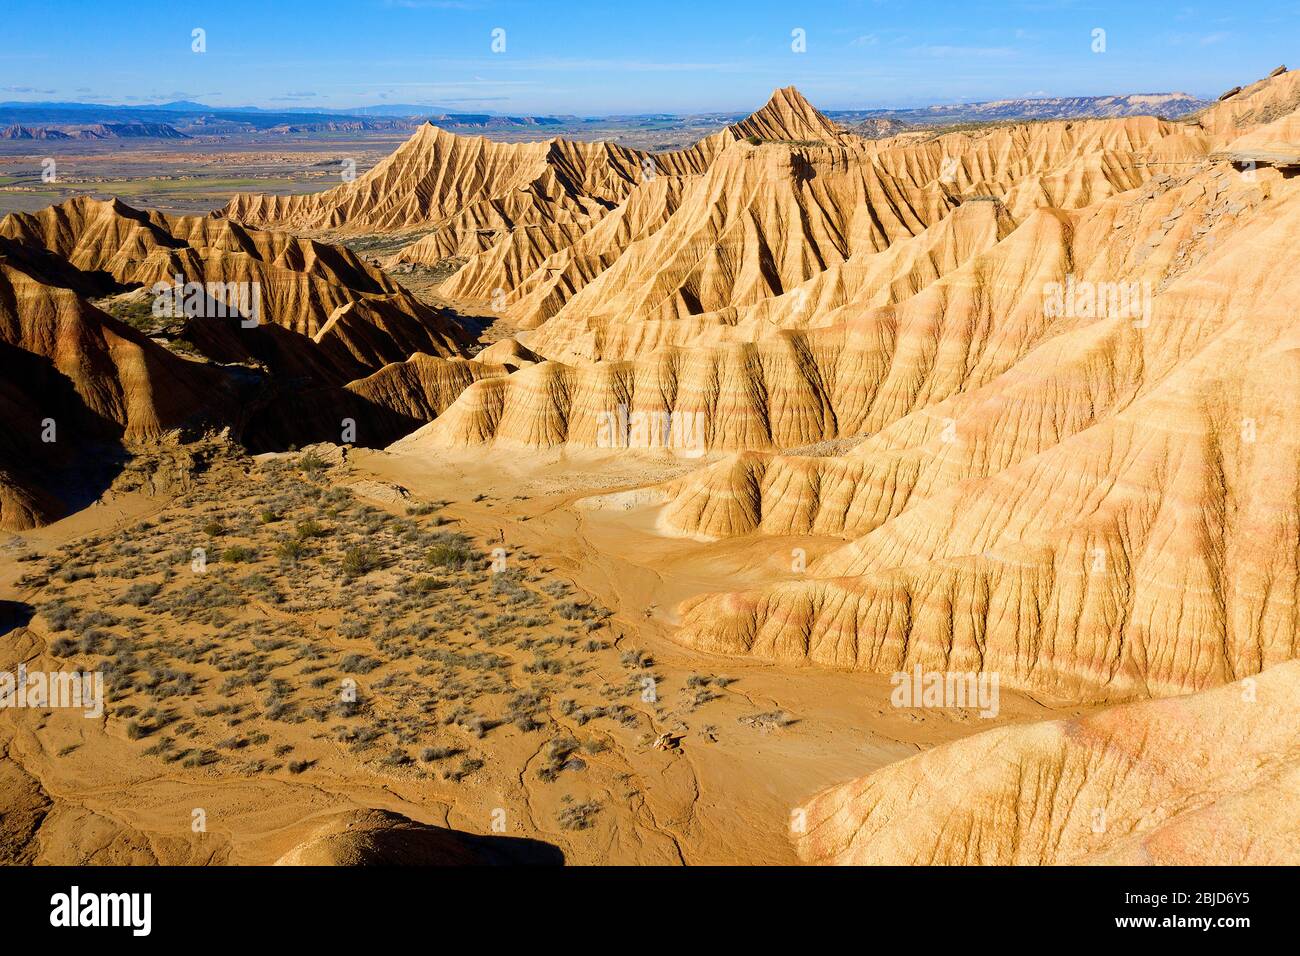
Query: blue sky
x=629 y=55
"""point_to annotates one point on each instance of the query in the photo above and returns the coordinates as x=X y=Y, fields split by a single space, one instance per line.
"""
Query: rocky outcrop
x=79 y=388
x=1208 y=779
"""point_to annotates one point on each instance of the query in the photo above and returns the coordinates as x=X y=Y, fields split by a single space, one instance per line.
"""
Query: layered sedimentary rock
x=536 y=220
x=787 y=392
x=458 y=184
x=313 y=316
x=743 y=245
x=296 y=284
x=787 y=116
x=310 y=317
x=371 y=411
x=508 y=352
x=880 y=272
x=538 y=296
x=462 y=184
x=762 y=221
x=77 y=384
x=1127 y=487
x=1208 y=779
x=1070 y=458
x=1258 y=104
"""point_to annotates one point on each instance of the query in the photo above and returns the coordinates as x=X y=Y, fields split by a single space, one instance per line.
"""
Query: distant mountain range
x=185 y=117
x=95 y=131
x=1167 y=105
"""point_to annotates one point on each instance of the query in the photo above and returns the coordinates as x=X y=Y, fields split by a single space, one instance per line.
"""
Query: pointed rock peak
x=787 y=116
x=789 y=97
x=426 y=137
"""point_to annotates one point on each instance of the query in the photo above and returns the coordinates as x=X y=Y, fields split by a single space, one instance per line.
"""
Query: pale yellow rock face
x=787 y=116
x=1258 y=104
x=464 y=185
x=1109 y=516
x=784 y=232
x=508 y=352
x=378 y=838
x=1211 y=778
x=1064 y=357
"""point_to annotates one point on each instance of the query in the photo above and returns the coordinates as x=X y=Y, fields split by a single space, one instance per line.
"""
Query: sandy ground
x=710 y=768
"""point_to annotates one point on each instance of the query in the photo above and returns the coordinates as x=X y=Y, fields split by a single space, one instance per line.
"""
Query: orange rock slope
x=331 y=336
x=78 y=384
x=354 y=312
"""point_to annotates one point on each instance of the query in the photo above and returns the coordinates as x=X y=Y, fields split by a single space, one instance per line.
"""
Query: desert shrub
x=259 y=583
x=291 y=551
x=423 y=585
x=506 y=587
x=59 y=614
x=478 y=725
x=575 y=611
x=63 y=647
x=354 y=629
x=558 y=755
x=577 y=816
x=139 y=595
x=312 y=464
x=430 y=754
x=238 y=554
x=636 y=659
x=545 y=665
x=358 y=664
x=360 y=560
x=93 y=641
x=467 y=766
x=95 y=618
x=452 y=554
x=276 y=708
x=309 y=529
